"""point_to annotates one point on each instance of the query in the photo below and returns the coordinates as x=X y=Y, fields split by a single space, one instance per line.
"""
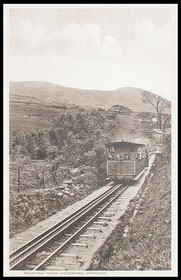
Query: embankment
x=142 y=239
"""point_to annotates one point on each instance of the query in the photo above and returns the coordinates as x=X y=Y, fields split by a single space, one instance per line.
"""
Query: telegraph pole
x=19 y=182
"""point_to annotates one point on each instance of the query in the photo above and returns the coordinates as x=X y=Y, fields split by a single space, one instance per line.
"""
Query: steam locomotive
x=125 y=160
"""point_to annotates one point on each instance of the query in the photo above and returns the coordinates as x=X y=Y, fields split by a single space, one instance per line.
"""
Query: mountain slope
x=129 y=97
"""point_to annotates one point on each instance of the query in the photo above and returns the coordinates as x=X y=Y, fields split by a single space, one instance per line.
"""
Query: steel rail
x=74 y=235
x=33 y=240
x=42 y=240
x=52 y=235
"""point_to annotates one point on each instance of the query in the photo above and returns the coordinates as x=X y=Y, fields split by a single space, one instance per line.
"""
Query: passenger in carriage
x=109 y=156
x=119 y=156
x=126 y=157
x=139 y=155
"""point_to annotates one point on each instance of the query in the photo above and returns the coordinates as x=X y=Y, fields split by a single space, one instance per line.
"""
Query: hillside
x=129 y=97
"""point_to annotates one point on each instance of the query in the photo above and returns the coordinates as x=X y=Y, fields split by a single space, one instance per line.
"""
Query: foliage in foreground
x=77 y=142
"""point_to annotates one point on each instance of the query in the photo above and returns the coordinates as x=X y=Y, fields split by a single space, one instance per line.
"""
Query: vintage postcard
x=90 y=140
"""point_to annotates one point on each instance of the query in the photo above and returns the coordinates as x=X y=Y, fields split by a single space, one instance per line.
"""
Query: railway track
x=46 y=246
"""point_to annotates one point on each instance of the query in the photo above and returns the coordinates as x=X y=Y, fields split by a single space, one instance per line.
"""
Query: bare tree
x=166 y=119
x=160 y=104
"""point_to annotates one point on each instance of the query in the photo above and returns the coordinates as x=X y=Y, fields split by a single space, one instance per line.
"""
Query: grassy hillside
x=27 y=112
x=129 y=97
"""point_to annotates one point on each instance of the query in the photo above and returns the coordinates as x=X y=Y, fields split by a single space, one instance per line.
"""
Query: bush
x=52 y=152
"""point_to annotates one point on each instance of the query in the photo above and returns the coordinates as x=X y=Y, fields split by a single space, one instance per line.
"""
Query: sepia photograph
x=90 y=140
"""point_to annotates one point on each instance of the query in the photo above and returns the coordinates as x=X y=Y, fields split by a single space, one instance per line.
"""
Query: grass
x=26 y=116
x=27 y=124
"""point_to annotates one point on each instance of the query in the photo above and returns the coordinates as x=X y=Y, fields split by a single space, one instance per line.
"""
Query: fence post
x=43 y=179
x=19 y=182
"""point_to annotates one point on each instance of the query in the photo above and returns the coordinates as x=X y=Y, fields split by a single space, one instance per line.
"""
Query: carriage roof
x=122 y=143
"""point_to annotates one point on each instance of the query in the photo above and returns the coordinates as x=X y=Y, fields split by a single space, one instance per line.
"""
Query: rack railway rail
x=58 y=237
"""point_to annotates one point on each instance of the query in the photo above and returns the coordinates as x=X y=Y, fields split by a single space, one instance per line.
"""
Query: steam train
x=125 y=160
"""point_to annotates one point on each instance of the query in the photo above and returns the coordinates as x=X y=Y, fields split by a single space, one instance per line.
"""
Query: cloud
x=25 y=33
x=88 y=40
x=85 y=56
x=72 y=40
x=151 y=39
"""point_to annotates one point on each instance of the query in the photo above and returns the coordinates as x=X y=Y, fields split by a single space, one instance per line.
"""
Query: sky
x=100 y=47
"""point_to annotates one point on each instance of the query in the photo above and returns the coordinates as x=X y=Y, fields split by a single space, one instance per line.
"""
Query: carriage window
x=110 y=149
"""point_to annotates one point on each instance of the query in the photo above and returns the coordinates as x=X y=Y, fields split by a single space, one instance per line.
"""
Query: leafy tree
x=70 y=121
x=52 y=152
x=53 y=136
x=100 y=160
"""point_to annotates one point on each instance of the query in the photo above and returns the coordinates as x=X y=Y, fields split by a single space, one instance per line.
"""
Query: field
x=27 y=113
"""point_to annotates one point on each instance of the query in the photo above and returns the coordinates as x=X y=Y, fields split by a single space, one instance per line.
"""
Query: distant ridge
x=126 y=96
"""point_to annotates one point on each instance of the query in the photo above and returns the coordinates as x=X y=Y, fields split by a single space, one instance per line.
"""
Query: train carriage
x=125 y=160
